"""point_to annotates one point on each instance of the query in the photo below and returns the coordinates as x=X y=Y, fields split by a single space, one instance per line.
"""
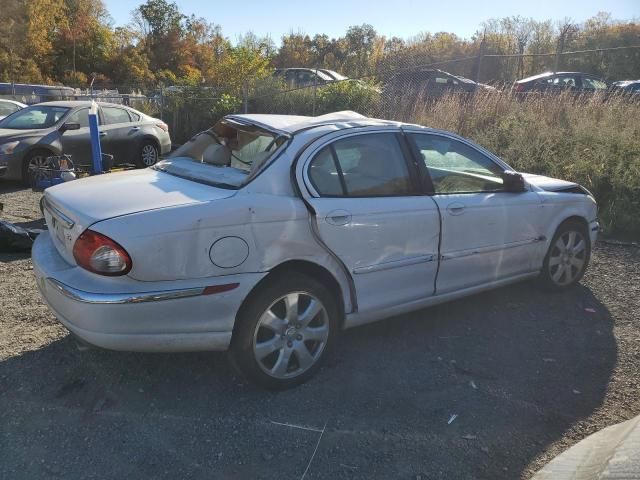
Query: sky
x=401 y=18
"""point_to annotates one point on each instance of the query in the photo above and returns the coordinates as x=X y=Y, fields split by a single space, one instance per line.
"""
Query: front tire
x=34 y=167
x=285 y=331
x=567 y=258
x=149 y=155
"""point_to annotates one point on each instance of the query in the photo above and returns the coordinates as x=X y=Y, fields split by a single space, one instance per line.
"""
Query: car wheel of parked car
x=149 y=155
x=285 y=331
x=568 y=256
x=33 y=165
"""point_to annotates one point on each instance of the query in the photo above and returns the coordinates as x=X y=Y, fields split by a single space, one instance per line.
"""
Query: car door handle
x=338 y=217
x=455 y=208
x=103 y=134
x=135 y=128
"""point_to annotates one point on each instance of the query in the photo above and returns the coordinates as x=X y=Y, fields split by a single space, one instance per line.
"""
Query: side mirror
x=69 y=126
x=513 y=182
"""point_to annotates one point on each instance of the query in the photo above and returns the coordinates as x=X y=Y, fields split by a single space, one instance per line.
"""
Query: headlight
x=7 y=148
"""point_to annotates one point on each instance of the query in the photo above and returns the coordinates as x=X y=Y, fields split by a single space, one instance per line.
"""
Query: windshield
x=226 y=155
x=34 y=117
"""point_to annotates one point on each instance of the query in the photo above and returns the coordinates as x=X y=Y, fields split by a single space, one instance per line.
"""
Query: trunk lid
x=70 y=208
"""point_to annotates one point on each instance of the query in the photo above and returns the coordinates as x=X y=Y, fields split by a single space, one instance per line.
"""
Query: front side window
x=36 y=117
x=370 y=165
x=455 y=167
x=80 y=116
x=564 y=81
x=113 y=115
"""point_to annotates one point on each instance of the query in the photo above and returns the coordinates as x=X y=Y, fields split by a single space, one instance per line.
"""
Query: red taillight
x=163 y=126
x=99 y=254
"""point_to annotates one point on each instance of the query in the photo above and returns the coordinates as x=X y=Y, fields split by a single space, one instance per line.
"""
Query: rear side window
x=370 y=165
x=593 y=84
x=114 y=115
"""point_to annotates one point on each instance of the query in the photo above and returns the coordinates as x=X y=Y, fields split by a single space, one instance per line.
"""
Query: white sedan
x=268 y=234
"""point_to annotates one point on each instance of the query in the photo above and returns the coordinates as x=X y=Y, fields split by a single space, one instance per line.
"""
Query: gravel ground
x=527 y=374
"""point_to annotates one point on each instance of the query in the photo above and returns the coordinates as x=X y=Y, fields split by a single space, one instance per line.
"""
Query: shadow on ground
x=517 y=366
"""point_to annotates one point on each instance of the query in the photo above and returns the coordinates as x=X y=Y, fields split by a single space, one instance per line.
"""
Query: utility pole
x=480 y=55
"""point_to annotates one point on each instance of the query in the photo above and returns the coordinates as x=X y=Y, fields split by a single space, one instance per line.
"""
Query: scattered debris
x=452 y=419
x=577 y=392
x=314 y=451
x=548 y=360
x=350 y=467
x=590 y=310
x=473 y=385
x=14 y=237
x=301 y=427
x=469 y=437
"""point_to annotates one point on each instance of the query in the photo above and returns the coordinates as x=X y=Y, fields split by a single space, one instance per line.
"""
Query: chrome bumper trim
x=121 y=298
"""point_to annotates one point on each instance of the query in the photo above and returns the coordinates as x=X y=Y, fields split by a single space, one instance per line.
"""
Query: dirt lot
x=527 y=374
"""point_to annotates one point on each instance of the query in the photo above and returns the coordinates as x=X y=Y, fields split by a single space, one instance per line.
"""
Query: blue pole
x=96 y=151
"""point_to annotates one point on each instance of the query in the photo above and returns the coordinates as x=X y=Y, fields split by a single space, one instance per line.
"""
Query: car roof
x=548 y=74
x=7 y=100
x=291 y=124
x=78 y=103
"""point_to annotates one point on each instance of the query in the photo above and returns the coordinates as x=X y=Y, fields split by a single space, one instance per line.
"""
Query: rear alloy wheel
x=36 y=167
x=284 y=332
x=567 y=258
x=148 y=155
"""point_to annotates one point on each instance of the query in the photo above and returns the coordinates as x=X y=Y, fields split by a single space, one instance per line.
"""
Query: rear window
x=230 y=151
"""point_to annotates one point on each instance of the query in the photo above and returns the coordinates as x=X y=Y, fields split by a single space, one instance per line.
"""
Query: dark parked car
x=630 y=87
x=430 y=82
x=561 y=81
x=29 y=136
x=307 y=77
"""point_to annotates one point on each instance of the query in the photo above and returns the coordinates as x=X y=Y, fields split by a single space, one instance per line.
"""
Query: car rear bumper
x=144 y=317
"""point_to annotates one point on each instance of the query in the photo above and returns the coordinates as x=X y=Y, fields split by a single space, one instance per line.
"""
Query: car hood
x=7 y=134
x=92 y=199
x=548 y=183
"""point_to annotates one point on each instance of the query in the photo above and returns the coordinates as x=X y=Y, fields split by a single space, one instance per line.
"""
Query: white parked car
x=268 y=234
x=7 y=107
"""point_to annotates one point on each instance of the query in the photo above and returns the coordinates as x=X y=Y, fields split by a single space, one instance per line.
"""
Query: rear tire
x=285 y=331
x=149 y=154
x=567 y=258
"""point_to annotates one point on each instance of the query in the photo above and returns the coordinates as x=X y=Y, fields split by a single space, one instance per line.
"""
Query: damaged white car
x=268 y=234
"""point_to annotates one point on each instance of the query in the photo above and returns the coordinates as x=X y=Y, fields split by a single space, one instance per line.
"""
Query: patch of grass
x=589 y=140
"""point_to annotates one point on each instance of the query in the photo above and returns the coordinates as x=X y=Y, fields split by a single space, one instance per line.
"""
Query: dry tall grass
x=590 y=140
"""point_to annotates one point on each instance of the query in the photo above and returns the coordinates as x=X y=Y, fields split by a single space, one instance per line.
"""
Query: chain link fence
x=399 y=90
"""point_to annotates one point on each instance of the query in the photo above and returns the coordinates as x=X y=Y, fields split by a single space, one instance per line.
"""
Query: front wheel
x=149 y=155
x=36 y=167
x=285 y=331
x=567 y=258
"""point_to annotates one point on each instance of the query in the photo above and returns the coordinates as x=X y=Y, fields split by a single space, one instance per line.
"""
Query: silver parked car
x=267 y=234
x=29 y=136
